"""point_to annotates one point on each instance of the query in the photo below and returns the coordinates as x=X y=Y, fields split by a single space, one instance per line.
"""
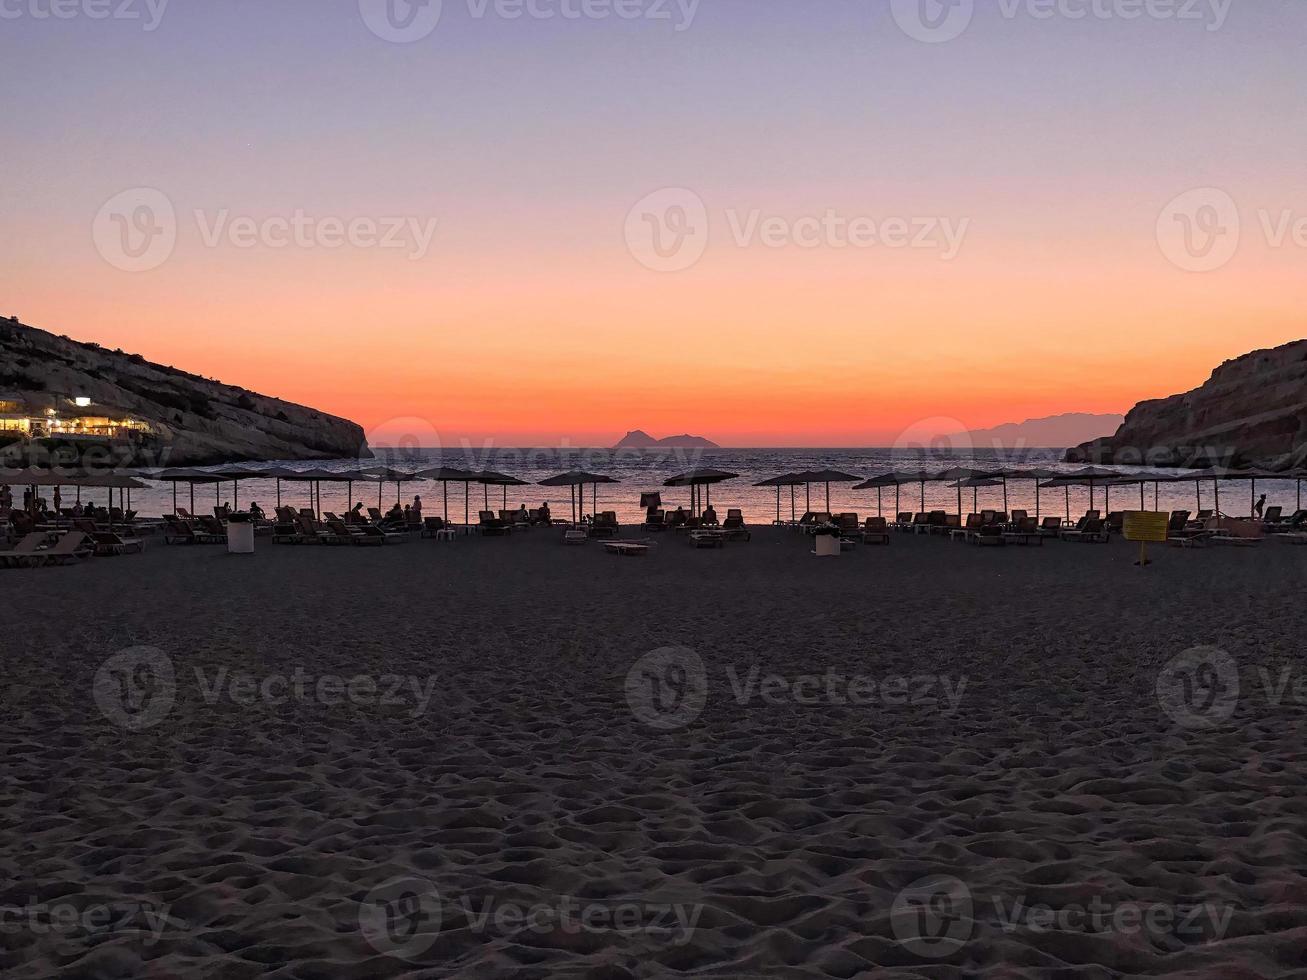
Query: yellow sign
x=1146 y=525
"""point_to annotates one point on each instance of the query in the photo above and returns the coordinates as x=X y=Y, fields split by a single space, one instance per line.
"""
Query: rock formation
x=187 y=419
x=1251 y=412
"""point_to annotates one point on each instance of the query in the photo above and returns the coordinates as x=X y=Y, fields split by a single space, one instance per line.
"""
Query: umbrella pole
x=192 y=499
x=794 y=509
x=897 y=504
x=505 y=496
x=973 y=501
x=880 y=512
x=174 y=497
x=349 y=489
x=1198 y=494
x=1252 y=498
x=1005 y=510
x=235 y=494
x=466 y=491
x=807 y=497
x=444 y=488
x=1068 y=503
x=1036 y=500
x=778 y=503
x=1216 y=490
x=828 y=498
x=923 y=496
x=278 y=493
x=1141 y=495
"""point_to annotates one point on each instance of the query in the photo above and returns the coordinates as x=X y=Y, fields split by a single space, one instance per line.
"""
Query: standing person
x=6 y=497
x=416 y=509
x=58 y=499
x=28 y=500
x=1259 y=507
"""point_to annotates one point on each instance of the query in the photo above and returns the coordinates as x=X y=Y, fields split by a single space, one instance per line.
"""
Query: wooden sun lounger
x=630 y=549
x=72 y=547
x=24 y=553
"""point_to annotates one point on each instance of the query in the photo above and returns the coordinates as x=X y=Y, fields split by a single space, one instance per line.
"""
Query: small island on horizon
x=639 y=439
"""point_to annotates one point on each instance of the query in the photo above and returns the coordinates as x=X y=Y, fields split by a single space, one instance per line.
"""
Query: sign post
x=1145 y=526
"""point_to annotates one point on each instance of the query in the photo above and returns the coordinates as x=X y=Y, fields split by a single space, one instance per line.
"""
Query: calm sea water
x=645 y=470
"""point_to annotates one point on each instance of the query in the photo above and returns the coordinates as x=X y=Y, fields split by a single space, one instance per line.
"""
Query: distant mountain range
x=639 y=439
x=1055 y=432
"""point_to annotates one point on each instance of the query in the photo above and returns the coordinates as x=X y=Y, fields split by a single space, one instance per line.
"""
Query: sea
x=642 y=471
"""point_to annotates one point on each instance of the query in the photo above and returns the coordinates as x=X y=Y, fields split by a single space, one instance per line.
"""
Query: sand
x=524 y=806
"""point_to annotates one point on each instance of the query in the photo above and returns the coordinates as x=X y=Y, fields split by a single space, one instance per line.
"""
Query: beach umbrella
x=790 y=480
x=576 y=481
x=237 y=473
x=1035 y=473
x=961 y=473
x=700 y=478
x=446 y=475
x=974 y=484
x=489 y=478
x=315 y=478
x=191 y=477
x=828 y=477
x=879 y=483
x=1090 y=475
x=121 y=482
x=385 y=474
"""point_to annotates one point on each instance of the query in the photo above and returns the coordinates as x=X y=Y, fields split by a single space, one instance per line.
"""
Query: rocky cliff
x=1252 y=411
x=191 y=419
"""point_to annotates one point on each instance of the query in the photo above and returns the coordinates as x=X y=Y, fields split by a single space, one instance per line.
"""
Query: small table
x=446 y=534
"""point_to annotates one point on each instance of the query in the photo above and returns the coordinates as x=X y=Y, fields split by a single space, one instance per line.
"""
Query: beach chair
x=902 y=521
x=108 y=543
x=1090 y=531
x=708 y=539
x=214 y=528
x=23 y=553
x=974 y=523
x=1232 y=531
x=1018 y=516
x=735 y=527
x=990 y=535
x=1116 y=521
x=490 y=525
x=1050 y=527
x=286 y=532
x=1297 y=522
x=875 y=531
x=373 y=533
x=655 y=520
x=951 y=523
x=69 y=549
x=628 y=549
x=1024 y=532
x=432 y=526
x=1272 y=515
x=847 y=523
x=342 y=533
x=605 y=525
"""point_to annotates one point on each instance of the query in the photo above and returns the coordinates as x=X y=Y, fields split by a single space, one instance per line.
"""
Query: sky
x=533 y=222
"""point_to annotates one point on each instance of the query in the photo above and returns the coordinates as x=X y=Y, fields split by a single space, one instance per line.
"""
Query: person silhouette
x=1259 y=506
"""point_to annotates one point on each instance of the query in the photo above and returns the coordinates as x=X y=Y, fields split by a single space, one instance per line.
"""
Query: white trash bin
x=826 y=545
x=240 y=538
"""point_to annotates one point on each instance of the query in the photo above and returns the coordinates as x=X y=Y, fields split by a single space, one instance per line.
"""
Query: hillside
x=180 y=418
x=1253 y=410
x=1054 y=432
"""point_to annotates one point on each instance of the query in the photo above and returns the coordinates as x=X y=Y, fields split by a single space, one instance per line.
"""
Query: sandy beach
x=982 y=718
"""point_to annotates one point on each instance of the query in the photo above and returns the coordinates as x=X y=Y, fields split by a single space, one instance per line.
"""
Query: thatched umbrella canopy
x=190 y=476
x=700 y=478
x=1034 y=473
x=974 y=483
x=827 y=477
x=489 y=478
x=445 y=475
x=790 y=480
x=237 y=473
x=879 y=483
x=576 y=481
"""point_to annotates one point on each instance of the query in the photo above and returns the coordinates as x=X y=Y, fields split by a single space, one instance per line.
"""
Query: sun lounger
x=735 y=527
x=575 y=535
x=183 y=532
x=974 y=523
x=1024 y=532
x=903 y=521
x=1089 y=531
x=875 y=531
x=72 y=547
x=708 y=539
x=655 y=520
x=23 y=554
x=605 y=525
x=991 y=535
x=108 y=543
x=630 y=549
